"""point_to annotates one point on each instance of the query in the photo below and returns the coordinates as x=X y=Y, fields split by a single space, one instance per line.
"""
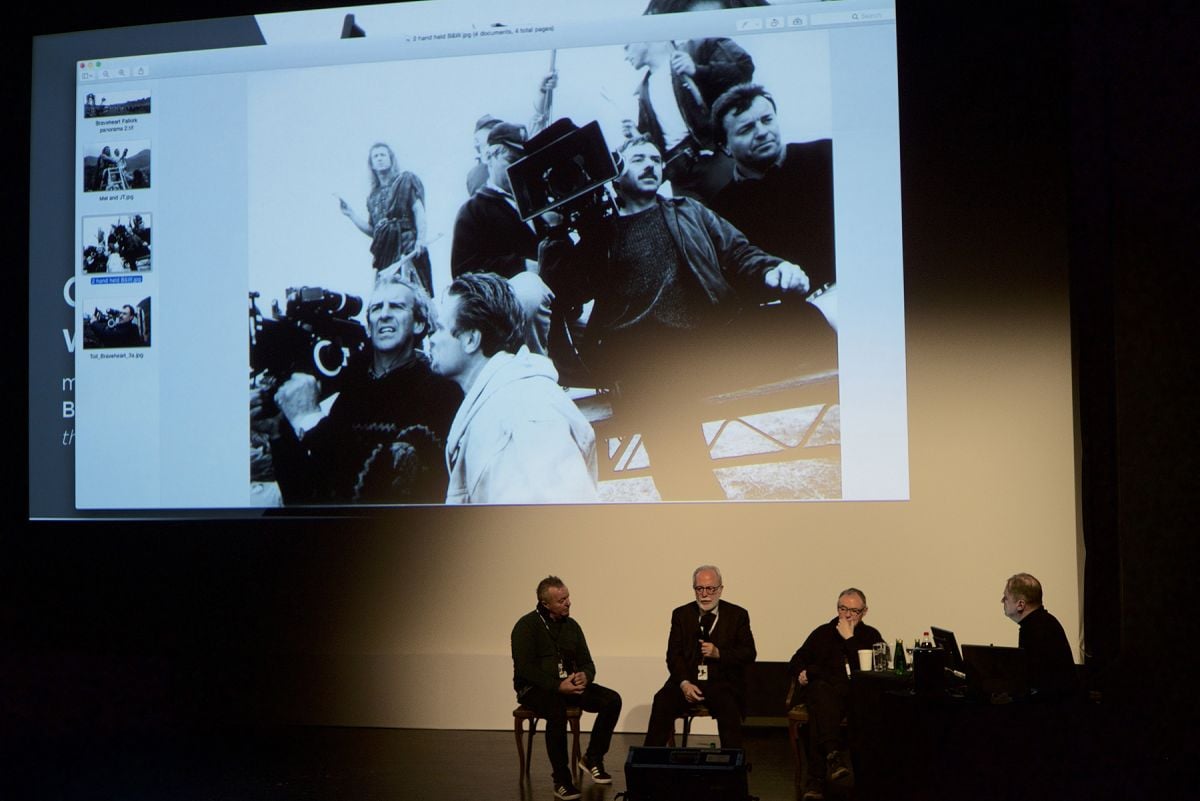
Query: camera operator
x=670 y=279
x=119 y=330
x=384 y=437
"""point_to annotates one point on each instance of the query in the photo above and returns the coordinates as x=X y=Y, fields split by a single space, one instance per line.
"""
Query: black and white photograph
x=119 y=103
x=116 y=324
x=118 y=243
x=116 y=166
x=598 y=370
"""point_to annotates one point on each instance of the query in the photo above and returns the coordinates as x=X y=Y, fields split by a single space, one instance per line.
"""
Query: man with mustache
x=670 y=279
x=384 y=437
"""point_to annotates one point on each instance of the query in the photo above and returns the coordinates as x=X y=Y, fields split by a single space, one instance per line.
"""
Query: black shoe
x=566 y=791
x=837 y=767
x=595 y=770
x=813 y=794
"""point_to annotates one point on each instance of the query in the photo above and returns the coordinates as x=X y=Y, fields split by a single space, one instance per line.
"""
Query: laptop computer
x=945 y=639
x=994 y=671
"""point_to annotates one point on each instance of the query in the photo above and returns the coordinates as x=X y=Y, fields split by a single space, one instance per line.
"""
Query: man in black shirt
x=1051 y=665
x=491 y=237
x=823 y=667
x=781 y=196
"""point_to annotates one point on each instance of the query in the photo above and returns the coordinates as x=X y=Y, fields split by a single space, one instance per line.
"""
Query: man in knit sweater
x=553 y=670
x=670 y=279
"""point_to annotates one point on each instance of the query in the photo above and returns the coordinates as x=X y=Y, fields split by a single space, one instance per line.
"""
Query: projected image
x=611 y=280
x=116 y=325
x=116 y=104
x=118 y=243
x=116 y=166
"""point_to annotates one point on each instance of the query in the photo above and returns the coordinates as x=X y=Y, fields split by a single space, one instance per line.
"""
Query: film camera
x=315 y=333
x=564 y=170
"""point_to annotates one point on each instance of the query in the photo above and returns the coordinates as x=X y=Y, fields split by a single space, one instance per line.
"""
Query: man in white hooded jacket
x=517 y=437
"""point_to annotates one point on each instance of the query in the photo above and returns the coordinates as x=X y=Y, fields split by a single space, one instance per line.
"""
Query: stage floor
x=347 y=764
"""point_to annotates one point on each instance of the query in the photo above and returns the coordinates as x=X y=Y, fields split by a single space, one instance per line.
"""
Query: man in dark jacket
x=823 y=667
x=708 y=649
x=491 y=237
x=670 y=279
x=552 y=670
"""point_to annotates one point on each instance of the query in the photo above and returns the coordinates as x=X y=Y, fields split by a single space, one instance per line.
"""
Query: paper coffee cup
x=866 y=659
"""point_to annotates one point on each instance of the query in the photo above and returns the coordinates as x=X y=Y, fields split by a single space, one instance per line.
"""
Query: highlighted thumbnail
x=116 y=104
x=123 y=326
x=117 y=166
x=119 y=244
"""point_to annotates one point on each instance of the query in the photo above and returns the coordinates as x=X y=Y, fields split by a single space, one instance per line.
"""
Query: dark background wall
x=111 y=626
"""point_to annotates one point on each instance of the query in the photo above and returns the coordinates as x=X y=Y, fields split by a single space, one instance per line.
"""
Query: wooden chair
x=797 y=720
x=525 y=748
x=693 y=711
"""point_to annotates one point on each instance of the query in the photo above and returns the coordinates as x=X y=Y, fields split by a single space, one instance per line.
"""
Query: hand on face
x=850 y=613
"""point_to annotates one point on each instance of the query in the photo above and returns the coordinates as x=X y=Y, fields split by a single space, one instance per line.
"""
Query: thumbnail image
x=124 y=325
x=116 y=166
x=117 y=243
x=117 y=104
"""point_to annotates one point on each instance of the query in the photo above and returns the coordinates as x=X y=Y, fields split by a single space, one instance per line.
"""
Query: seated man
x=670 y=280
x=823 y=666
x=552 y=670
x=708 y=649
x=1051 y=665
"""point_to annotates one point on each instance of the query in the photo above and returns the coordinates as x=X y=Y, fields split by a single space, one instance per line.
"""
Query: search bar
x=844 y=17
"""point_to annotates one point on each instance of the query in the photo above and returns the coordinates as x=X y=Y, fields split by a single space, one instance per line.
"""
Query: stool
x=693 y=711
x=525 y=751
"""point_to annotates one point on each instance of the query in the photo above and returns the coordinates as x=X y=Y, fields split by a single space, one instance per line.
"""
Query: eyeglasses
x=708 y=590
x=851 y=610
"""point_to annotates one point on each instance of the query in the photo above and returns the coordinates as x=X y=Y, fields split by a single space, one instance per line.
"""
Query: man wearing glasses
x=822 y=667
x=708 y=650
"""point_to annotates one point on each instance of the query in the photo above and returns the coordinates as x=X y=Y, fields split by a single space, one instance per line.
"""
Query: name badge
x=702 y=673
